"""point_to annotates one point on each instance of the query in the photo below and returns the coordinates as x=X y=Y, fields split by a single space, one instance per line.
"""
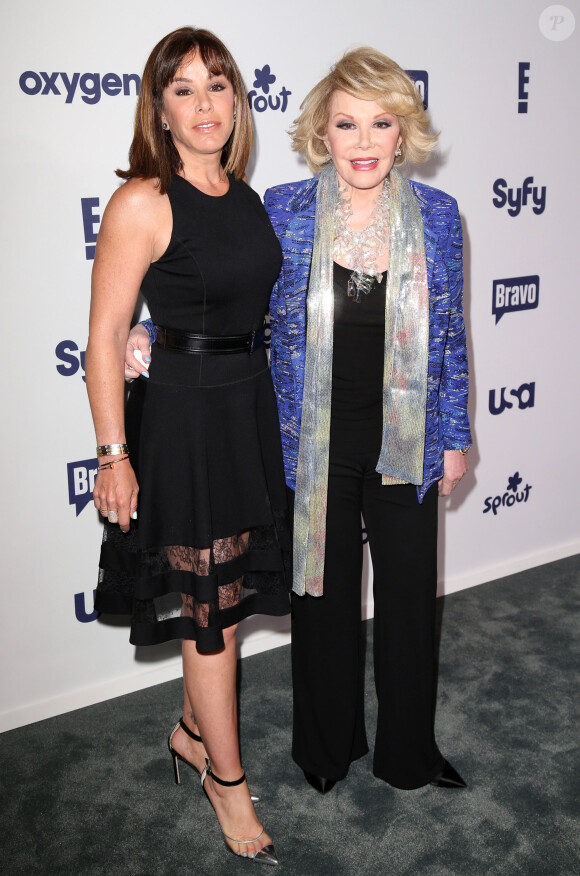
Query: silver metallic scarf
x=404 y=378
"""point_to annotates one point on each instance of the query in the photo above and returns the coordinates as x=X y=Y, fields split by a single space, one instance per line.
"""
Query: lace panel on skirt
x=203 y=562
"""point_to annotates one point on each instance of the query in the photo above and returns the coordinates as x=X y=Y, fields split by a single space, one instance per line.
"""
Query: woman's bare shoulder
x=138 y=195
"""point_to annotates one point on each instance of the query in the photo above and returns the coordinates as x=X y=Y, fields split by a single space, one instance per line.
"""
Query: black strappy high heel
x=179 y=757
x=267 y=854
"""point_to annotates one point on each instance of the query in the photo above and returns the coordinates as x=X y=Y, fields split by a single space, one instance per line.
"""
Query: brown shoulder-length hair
x=367 y=74
x=153 y=153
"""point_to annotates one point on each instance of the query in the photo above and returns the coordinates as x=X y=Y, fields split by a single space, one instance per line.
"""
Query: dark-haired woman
x=211 y=545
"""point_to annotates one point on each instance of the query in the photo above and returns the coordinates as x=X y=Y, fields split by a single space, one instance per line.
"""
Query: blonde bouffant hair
x=369 y=75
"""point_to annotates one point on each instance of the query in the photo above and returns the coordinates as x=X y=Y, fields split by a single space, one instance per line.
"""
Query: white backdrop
x=64 y=134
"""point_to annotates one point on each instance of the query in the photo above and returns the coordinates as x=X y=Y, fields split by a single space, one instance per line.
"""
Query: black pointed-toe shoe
x=448 y=778
x=319 y=783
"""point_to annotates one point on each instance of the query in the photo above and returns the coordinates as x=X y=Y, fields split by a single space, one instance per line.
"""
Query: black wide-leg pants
x=327 y=658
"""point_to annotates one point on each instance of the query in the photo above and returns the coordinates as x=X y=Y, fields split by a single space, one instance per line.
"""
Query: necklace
x=361 y=249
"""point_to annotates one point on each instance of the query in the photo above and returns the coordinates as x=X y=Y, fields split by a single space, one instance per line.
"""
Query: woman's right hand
x=138 y=344
x=115 y=493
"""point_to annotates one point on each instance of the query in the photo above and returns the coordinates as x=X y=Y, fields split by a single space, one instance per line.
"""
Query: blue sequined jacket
x=291 y=209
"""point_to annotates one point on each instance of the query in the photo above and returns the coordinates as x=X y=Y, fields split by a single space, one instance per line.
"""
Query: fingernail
x=144 y=374
x=147 y=359
x=134 y=515
x=244 y=855
x=253 y=855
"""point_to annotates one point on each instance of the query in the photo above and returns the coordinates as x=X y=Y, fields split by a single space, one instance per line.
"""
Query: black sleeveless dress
x=212 y=542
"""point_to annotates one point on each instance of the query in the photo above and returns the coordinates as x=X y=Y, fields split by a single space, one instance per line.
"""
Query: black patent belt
x=187 y=342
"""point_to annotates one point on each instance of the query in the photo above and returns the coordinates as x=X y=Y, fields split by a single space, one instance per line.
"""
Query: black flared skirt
x=212 y=542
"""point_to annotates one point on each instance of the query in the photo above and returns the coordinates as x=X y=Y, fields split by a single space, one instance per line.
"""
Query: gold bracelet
x=111 y=449
x=463 y=450
x=112 y=463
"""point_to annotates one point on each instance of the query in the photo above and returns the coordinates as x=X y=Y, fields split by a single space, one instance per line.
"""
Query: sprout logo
x=261 y=102
x=510 y=497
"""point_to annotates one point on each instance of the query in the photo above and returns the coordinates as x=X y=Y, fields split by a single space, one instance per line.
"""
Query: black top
x=357 y=363
x=216 y=275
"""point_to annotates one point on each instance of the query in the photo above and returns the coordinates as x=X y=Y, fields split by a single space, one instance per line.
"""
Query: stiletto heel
x=177 y=757
x=267 y=854
x=175 y=754
x=449 y=778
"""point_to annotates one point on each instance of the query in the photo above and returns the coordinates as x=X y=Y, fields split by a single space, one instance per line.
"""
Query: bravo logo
x=515 y=293
x=90 y=85
x=511 y=496
x=525 y=396
x=261 y=102
x=81 y=482
x=518 y=198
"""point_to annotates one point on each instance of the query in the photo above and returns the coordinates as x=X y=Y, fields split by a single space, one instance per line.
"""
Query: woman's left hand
x=455 y=465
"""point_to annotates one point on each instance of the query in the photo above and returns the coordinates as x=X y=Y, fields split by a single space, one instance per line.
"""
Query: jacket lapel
x=430 y=252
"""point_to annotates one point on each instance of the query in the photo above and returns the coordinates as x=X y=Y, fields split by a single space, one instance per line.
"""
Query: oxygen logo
x=81 y=482
x=91 y=85
x=524 y=394
x=518 y=198
x=511 y=496
x=81 y=613
x=516 y=293
x=91 y=222
x=71 y=359
x=261 y=102
x=421 y=80
x=523 y=80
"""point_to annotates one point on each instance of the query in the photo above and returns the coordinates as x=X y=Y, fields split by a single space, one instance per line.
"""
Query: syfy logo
x=81 y=613
x=91 y=221
x=261 y=102
x=523 y=80
x=518 y=198
x=516 y=293
x=81 y=482
x=421 y=80
x=71 y=359
x=525 y=395
x=90 y=85
x=510 y=497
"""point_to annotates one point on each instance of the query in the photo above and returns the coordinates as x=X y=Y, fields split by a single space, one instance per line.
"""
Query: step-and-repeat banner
x=500 y=81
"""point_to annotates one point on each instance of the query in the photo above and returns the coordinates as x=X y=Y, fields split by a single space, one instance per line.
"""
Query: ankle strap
x=189 y=732
x=208 y=772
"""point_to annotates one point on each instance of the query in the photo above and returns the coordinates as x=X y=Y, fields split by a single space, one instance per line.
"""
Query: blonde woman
x=369 y=365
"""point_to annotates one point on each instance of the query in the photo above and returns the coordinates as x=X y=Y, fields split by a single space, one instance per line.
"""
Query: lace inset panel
x=203 y=562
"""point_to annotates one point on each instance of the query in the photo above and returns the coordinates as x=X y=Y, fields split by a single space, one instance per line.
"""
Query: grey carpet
x=92 y=791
